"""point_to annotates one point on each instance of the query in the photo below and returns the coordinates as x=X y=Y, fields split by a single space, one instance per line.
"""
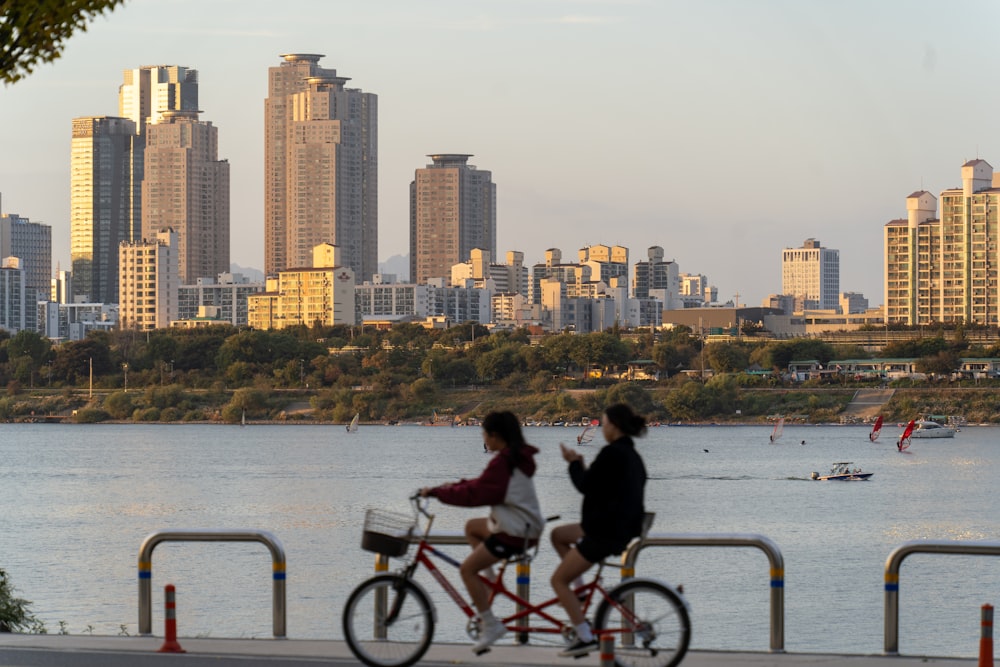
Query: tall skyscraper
x=186 y=188
x=145 y=95
x=32 y=243
x=947 y=268
x=453 y=209
x=811 y=274
x=320 y=167
x=149 y=91
x=104 y=202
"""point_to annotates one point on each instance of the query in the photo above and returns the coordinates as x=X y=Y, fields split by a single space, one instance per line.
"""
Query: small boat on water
x=926 y=428
x=842 y=471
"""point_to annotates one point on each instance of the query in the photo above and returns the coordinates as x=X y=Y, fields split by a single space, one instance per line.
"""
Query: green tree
x=15 y=612
x=34 y=31
x=727 y=357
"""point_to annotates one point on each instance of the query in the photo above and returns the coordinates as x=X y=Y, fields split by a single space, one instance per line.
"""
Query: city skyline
x=719 y=131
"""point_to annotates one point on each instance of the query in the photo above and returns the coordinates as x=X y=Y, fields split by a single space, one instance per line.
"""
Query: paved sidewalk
x=450 y=654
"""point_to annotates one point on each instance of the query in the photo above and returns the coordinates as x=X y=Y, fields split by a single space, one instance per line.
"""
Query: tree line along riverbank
x=692 y=402
x=408 y=373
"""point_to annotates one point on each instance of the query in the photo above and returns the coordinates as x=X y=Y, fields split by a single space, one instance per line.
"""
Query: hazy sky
x=721 y=130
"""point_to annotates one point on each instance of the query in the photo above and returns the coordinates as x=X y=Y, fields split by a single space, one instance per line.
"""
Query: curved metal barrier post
x=761 y=542
x=895 y=560
x=209 y=535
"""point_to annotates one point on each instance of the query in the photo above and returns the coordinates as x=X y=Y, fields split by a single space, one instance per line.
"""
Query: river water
x=76 y=502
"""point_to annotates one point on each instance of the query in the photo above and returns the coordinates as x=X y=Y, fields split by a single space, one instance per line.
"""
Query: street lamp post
x=125 y=369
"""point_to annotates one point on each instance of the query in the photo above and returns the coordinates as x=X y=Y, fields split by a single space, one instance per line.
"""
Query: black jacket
x=612 y=489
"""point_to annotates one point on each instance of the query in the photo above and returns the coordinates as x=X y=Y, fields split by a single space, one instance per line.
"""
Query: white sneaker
x=488 y=633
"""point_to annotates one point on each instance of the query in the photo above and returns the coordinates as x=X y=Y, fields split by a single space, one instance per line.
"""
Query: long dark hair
x=506 y=426
x=627 y=421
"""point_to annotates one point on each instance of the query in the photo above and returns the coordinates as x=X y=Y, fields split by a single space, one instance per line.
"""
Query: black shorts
x=505 y=546
x=596 y=550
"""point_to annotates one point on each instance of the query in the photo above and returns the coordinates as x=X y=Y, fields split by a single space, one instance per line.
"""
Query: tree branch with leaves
x=33 y=32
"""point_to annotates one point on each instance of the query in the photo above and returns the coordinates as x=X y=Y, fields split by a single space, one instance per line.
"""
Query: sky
x=720 y=130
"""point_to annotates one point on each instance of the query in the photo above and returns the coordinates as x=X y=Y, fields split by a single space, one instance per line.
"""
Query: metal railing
x=895 y=560
x=630 y=556
x=210 y=535
x=761 y=542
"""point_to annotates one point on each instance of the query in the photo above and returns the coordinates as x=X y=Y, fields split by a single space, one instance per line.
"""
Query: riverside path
x=17 y=650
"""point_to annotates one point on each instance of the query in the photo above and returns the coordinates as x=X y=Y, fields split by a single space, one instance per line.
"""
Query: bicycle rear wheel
x=372 y=637
x=649 y=622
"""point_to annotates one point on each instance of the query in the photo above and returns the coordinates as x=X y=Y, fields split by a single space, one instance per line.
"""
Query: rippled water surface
x=77 y=502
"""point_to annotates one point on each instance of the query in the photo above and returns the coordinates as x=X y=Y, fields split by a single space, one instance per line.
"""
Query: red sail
x=876 y=429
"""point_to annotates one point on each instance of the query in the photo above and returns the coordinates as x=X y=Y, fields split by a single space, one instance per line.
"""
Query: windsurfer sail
x=588 y=432
x=904 y=438
x=779 y=428
x=353 y=426
x=876 y=429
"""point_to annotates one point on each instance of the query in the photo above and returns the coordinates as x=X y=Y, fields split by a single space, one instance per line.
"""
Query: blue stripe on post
x=279 y=576
x=145 y=574
x=777 y=583
x=523 y=580
x=891 y=588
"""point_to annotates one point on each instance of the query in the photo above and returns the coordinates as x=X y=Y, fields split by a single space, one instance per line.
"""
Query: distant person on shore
x=612 y=514
x=515 y=521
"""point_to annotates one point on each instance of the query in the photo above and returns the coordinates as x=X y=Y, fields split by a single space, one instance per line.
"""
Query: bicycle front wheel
x=649 y=622
x=388 y=622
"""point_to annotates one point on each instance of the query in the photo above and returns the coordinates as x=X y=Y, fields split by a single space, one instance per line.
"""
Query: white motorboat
x=925 y=428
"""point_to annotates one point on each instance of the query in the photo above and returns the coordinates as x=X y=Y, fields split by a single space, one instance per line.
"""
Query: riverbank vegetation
x=409 y=373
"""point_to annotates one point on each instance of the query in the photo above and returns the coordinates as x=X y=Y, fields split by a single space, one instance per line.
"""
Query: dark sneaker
x=579 y=649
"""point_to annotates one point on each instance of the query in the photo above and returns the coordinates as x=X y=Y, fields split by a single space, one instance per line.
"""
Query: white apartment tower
x=148 y=282
x=320 y=167
x=453 y=210
x=947 y=268
x=608 y=264
x=811 y=274
x=149 y=91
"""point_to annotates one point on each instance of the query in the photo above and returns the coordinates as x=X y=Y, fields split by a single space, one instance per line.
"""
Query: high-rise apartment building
x=509 y=278
x=186 y=188
x=608 y=264
x=149 y=91
x=146 y=94
x=320 y=167
x=323 y=293
x=149 y=282
x=32 y=243
x=15 y=311
x=811 y=274
x=947 y=268
x=104 y=202
x=453 y=209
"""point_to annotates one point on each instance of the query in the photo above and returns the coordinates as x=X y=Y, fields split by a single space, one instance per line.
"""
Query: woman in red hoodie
x=515 y=519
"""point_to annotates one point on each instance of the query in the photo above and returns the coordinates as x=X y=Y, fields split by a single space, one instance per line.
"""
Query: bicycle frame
x=515 y=622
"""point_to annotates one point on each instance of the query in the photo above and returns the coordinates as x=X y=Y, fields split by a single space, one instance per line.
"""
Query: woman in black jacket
x=611 y=517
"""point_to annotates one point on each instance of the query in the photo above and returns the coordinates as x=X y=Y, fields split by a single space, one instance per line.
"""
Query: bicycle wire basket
x=387 y=533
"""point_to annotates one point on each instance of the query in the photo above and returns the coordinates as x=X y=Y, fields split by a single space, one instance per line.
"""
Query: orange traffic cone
x=170 y=644
x=986 y=637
